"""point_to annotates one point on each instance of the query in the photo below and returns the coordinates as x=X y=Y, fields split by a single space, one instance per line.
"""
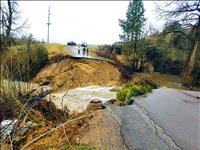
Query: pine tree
x=134 y=23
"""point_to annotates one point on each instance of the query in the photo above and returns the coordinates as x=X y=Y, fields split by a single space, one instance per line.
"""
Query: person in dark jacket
x=84 y=51
x=79 y=50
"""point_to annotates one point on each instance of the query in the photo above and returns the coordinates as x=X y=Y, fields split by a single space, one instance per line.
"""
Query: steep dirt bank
x=78 y=72
x=103 y=132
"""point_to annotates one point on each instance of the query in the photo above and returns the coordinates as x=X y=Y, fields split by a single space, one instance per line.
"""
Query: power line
x=48 y=24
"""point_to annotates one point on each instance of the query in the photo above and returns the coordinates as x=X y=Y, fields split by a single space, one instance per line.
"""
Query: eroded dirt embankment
x=103 y=132
x=79 y=72
x=62 y=74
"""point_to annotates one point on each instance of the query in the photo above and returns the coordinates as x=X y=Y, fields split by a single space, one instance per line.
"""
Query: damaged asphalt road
x=162 y=120
x=166 y=119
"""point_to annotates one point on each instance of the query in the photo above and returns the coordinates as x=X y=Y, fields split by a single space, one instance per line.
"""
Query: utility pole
x=48 y=24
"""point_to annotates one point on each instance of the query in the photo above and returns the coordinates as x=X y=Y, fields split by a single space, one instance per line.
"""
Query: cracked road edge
x=157 y=128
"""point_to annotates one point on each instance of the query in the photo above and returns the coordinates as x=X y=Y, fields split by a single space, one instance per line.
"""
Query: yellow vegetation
x=56 y=50
x=170 y=81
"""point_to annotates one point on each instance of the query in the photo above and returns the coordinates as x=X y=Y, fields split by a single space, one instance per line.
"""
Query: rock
x=95 y=105
x=95 y=101
x=109 y=102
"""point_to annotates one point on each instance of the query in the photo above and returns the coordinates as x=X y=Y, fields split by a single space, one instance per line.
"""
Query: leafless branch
x=48 y=132
x=67 y=137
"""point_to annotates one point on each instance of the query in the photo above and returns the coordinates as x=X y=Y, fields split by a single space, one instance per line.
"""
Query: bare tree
x=9 y=21
x=187 y=13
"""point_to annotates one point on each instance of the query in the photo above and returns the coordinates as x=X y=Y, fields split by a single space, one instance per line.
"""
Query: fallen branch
x=67 y=137
x=37 y=138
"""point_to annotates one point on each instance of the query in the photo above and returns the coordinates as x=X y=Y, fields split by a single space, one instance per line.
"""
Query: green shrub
x=129 y=94
x=78 y=147
x=121 y=94
x=124 y=95
x=148 y=88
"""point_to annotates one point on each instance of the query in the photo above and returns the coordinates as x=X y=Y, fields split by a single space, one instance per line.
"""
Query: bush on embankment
x=136 y=87
x=19 y=63
x=23 y=62
x=124 y=95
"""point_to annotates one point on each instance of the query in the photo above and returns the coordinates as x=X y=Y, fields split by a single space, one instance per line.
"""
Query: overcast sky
x=94 y=22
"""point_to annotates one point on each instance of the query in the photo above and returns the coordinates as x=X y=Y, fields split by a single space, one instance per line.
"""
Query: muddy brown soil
x=103 y=132
x=78 y=72
x=45 y=134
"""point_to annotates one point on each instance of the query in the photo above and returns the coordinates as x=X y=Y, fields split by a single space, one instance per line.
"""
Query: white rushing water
x=77 y=100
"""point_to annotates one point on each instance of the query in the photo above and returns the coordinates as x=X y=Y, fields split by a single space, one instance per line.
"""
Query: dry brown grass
x=170 y=81
x=56 y=50
x=93 y=49
x=45 y=135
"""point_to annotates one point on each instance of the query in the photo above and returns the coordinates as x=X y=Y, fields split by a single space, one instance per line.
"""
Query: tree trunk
x=191 y=59
x=9 y=26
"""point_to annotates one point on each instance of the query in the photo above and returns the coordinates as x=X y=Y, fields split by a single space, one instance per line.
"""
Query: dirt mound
x=77 y=72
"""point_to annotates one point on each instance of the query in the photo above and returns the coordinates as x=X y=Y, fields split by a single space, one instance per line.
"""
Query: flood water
x=77 y=100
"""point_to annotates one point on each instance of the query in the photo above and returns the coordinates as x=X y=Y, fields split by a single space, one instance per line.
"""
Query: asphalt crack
x=119 y=129
x=157 y=128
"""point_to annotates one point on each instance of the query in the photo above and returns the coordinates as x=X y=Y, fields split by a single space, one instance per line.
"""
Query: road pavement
x=74 y=52
x=164 y=119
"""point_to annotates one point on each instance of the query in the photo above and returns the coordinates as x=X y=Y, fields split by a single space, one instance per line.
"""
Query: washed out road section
x=163 y=120
x=77 y=100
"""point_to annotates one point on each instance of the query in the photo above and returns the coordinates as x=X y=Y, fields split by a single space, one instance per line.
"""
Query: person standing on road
x=79 y=50
x=84 y=51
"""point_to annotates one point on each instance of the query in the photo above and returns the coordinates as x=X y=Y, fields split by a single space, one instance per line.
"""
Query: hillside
x=75 y=72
